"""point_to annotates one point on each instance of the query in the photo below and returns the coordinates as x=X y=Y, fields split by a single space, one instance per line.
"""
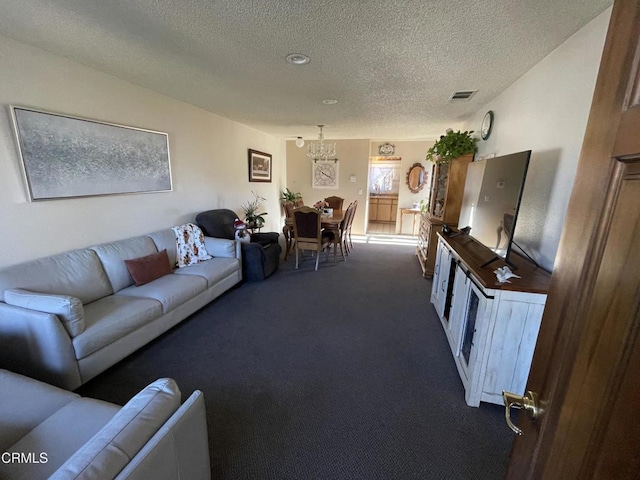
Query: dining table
x=328 y=221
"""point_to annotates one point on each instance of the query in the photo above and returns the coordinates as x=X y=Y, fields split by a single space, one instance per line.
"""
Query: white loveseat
x=77 y=313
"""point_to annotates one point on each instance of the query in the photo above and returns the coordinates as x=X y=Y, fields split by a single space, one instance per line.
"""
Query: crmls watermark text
x=24 y=457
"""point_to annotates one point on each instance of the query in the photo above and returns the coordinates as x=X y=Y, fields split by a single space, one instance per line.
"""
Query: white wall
x=208 y=158
x=546 y=111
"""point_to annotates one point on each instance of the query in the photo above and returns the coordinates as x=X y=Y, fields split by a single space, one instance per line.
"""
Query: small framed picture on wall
x=259 y=166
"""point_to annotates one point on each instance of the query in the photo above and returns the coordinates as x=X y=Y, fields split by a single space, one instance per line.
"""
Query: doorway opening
x=382 y=194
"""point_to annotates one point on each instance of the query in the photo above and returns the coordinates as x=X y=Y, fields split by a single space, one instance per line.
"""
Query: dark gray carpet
x=343 y=373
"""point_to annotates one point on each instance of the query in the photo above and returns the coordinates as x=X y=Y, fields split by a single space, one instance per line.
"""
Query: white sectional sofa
x=47 y=432
x=74 y=314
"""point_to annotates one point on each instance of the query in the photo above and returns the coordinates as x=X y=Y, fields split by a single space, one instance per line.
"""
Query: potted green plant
x=289 y=196
x=252 y=215
x=452 y=145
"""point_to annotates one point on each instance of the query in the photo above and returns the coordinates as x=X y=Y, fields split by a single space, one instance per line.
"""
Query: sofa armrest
x=110 y=450
x=265 y=239
x=221 y=247
x=179 y=449
x=36 y=344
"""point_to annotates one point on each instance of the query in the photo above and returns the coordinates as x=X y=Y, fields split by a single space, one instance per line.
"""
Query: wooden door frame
x=582 y=241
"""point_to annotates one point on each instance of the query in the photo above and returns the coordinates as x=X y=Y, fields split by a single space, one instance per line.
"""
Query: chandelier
x=320 y=151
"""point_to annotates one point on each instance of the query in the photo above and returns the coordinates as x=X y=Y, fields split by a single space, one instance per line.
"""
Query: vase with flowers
x=323 y=206
x=320 y=205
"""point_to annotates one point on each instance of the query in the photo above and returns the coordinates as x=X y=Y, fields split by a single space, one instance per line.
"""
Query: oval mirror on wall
x=416 y=177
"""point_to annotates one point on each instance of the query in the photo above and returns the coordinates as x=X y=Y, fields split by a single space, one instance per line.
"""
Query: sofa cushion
x=111 y=449
x=111 y=318
x=112 y=255
x=59 y=437
x=78 y=273
x=170 y=290
x=220 y=247
x=212 y=270
x=166 y=240
x=146 y=269
x=25 y=403
x=68 y=309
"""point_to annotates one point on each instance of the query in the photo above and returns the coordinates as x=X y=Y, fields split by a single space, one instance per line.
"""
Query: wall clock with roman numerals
x=325 y=174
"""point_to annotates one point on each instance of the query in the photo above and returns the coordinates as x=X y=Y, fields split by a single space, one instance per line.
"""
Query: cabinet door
x=384 y=210
x=439 y=190
x=441 y=281
x=461 y=287
x=423 y=235
x=512 y=341
x=475 y=325
x=435 y=286
x=373 y=209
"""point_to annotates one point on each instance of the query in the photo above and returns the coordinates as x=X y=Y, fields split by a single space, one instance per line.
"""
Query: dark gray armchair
x=260 y=258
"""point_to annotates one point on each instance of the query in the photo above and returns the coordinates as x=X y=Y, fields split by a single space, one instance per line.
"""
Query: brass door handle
x=528 y=402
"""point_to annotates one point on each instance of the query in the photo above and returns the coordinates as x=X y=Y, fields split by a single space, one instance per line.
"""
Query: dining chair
x=335 y=202
x=308 y=233
x=287 y=229
x=350 y=215
x=342 y=231
x=289 y=207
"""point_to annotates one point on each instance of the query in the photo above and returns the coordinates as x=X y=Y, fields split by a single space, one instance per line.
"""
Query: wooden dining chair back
x=335 y=202
x=350 y=215
x=341 y=232
x=287 y=229
x=288 y=208
x=308 y=233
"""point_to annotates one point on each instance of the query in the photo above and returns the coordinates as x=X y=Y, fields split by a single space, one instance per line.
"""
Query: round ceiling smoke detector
x=298 y=59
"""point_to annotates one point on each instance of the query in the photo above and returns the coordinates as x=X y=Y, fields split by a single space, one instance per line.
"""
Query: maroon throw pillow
x=146 y=269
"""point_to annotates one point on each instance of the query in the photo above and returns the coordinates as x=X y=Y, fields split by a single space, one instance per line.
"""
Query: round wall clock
x=386 y=149
x=325 y=174
x=487 y=125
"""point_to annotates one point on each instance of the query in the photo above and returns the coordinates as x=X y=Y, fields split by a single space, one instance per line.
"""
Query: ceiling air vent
x=462 y=95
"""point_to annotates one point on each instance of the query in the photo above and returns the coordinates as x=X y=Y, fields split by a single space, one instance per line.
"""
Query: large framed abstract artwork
x=65 y=156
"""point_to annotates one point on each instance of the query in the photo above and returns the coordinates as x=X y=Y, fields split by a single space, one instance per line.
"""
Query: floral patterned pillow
x=190 y=243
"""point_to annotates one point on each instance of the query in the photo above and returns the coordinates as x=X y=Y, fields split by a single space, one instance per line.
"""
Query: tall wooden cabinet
x=447 y=190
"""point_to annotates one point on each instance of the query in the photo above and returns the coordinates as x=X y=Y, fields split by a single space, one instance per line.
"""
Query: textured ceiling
x=392 y=65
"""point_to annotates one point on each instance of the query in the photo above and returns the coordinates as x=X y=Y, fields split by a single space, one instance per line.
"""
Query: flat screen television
x=491 y=199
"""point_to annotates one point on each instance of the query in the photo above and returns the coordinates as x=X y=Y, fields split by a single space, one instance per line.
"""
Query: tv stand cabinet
x=491 y=328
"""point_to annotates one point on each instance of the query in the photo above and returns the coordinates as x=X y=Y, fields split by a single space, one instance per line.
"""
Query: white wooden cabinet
x=441 y=279
x=491 y=331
